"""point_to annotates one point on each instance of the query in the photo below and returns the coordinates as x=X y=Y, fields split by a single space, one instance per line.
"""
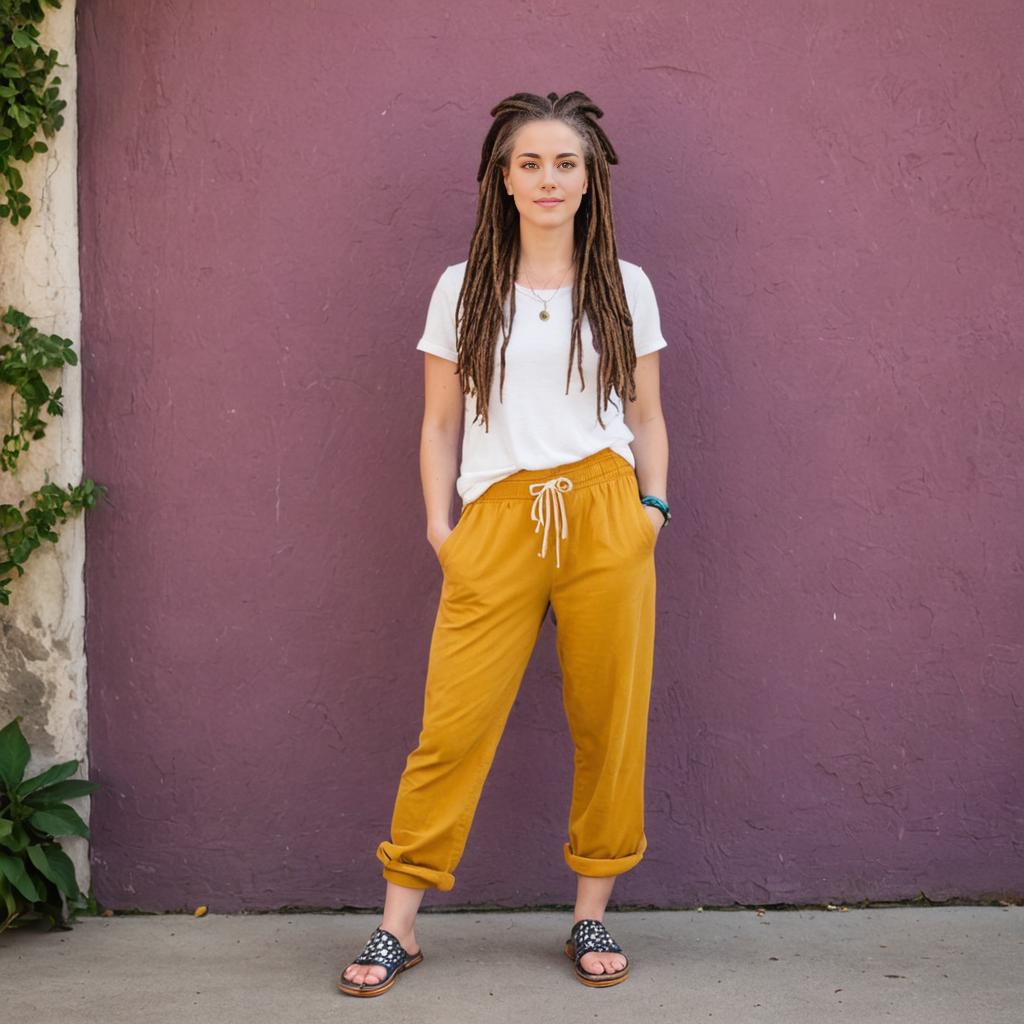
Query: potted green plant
x=35 y=873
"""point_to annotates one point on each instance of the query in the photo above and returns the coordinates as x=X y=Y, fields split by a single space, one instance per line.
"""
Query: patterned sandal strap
x=384 y=950
x=591 y=936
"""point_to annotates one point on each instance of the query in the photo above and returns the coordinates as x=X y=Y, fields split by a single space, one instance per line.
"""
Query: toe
x=602 y=963
x=359 y=974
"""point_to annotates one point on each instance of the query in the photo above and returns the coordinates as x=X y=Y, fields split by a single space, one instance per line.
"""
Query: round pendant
x=545 y=315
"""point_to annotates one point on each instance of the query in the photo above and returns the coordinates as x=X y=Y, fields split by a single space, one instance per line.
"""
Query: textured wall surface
x=827 y=198
x=42 y=630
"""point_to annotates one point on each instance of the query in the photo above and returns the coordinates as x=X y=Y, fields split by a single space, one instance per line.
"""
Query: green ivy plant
x=29 y=103
x=35 y=872
x=29 y=99
x=21 y=364
x=21 y=533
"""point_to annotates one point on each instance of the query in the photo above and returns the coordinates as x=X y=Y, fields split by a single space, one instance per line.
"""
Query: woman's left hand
x=657 y=520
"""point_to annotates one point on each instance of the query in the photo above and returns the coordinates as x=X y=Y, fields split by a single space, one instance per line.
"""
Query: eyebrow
x=537 y=155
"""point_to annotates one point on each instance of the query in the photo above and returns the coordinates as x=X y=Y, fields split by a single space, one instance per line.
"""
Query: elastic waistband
x=603 y=465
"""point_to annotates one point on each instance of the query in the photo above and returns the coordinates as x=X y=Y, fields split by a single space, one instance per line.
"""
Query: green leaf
x=13 y=869
x=70 y=790
x=21 y=38
x=55 y=773
x=14 y=754
x=8 y=897
x=52 y=862
x=17 y=839
x=60 y=820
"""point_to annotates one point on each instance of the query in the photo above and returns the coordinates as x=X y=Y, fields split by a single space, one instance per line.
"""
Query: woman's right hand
x=436 y=536
x=443 y=414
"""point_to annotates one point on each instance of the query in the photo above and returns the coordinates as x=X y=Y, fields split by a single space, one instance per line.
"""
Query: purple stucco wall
x=827 y=198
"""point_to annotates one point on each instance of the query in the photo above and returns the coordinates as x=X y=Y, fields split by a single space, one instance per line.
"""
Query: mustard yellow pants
x=575 y=536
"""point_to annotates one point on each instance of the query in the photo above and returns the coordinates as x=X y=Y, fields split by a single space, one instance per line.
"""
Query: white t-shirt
x=537 y=425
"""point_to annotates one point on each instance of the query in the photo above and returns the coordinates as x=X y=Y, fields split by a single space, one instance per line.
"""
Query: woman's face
x=547 y=162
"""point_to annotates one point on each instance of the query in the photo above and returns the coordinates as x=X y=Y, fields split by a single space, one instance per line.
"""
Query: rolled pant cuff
x=602 y=867
x=413 y=876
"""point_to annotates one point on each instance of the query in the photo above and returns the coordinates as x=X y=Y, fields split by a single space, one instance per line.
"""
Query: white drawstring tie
x=549 y=499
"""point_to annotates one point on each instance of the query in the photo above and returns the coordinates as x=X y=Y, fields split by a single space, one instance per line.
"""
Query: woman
x=543 y=280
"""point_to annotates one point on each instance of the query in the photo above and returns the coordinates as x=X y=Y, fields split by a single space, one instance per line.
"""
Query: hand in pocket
x=437 y=542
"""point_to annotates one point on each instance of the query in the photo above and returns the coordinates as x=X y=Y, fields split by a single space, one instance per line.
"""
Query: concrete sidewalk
x=961 y=965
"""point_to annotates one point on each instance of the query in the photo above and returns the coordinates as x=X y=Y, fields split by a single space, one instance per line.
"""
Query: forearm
x=439 y=470
x=650 y=450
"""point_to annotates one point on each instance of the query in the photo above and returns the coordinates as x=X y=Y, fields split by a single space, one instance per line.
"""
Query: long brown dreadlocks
x=493 y=261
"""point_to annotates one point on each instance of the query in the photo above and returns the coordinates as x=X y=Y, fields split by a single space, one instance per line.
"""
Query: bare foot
x=602 y=963
x=374 y=973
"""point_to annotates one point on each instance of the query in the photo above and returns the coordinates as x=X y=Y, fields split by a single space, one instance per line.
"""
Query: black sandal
x=589 y=935
x=382 y=950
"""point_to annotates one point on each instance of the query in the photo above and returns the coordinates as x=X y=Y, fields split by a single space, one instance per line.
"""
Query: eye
x=532 y=163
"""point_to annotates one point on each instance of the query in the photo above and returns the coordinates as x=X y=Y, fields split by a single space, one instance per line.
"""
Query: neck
x=546 y=255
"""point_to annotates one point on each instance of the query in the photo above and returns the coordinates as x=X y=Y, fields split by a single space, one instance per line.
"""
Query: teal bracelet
x=655 y=502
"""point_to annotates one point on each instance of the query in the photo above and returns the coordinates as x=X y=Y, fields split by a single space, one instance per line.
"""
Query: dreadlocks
x=493 y=262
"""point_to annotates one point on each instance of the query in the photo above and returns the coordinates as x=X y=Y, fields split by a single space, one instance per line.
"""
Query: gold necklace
x=544 y=314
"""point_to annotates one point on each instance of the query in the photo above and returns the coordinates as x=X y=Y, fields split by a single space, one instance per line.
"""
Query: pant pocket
x=650 y=530
x=444 y=551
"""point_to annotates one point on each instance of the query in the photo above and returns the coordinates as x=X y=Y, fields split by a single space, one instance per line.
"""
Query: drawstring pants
x=577 y=538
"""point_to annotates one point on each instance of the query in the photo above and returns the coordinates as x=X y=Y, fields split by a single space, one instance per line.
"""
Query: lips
x=547 y=202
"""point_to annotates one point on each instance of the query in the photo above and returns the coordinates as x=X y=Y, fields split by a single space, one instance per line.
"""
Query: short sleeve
x=647 y=336
x=439 y=331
